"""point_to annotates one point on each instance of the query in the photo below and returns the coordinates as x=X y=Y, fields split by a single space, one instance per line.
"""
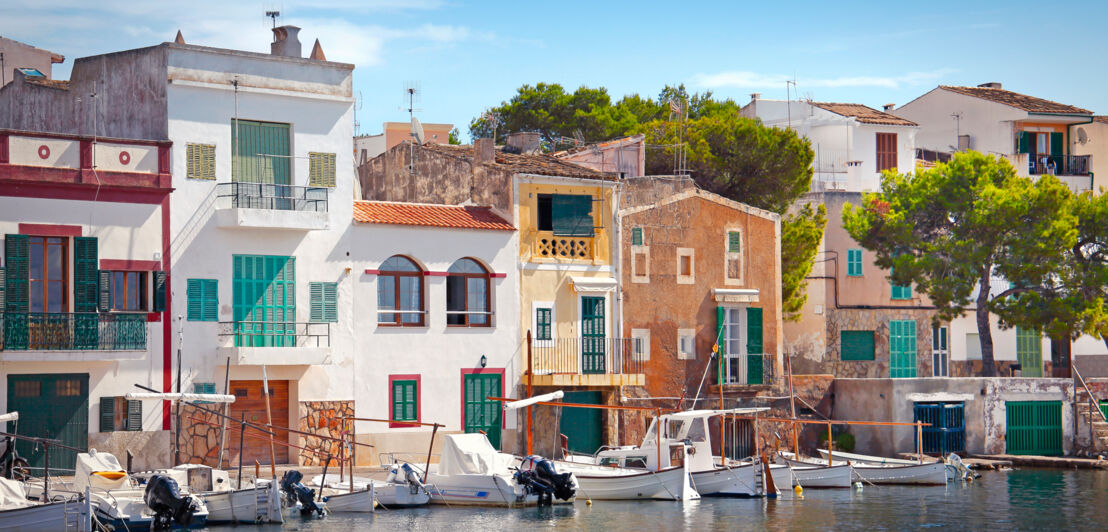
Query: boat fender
x=798 y=490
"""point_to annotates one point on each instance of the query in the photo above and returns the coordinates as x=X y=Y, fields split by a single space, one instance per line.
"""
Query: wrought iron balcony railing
x=745 y=370
x=276 y=334
x=613 y=356
x=81 y=331
x=237 y=195
x=1059 y=165
x=547 y=245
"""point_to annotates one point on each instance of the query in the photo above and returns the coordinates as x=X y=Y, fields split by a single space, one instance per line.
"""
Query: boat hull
x=933 y=474
x=47 y=517
x=736 y=481
x=352 y=501
x=392 y=495
x=667 y=484
x=815 y=476
x=476 y=490
x=243 y=506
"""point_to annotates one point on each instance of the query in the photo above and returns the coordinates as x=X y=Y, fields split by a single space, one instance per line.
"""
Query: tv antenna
x=492 y=118
x=273 y=15
x=413 y=93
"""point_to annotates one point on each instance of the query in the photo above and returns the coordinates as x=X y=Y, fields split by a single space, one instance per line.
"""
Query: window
x=854 y=262
x=321 y=169
x=128 y=291
x=117 y=413
x=28 y=388
x=640 y=344
x=205 y=388
x=973 y=346
x=856 y=345
x=565 y=214
x=203 y=300
x=902 y=349
x=48 y=274
x=544 y=321
x=324 y=303
x=636 y=236
x=200 y=161
x=886 y=151
x=404 y=398
x=400 y=293
x=467 y=294
x=1029 y=352
x=901 y=292
x=640 y=257
x=940 y=352
x=733 y=258
x=686 y=268
x=261 y=152
x=686 y=344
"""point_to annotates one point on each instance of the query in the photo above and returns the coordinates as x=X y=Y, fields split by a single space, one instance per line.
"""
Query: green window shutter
x=134 y=416
x=1057 y=144
x=721 y=317
x=636 y=236
x=104 y=301
x=324 y=302
x=572 y=215
x=107 y=414
x=404 y=401
x=901 y=292
x=200 y=161
x=261 y=152
x=16 y=284
x=2 y=292
x=854 y=262
x=1029 y=352
x=1023 y=142
x=856 y=345
x=734 y=242
x=321 y=169
x=754 y=347
x=85 y=276
x=159 y=291
x=194 y=293
x=902 y=349
x=210 y=300
x=542 y=324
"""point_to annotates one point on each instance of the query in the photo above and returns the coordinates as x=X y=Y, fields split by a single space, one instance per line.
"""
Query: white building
x=853 y=143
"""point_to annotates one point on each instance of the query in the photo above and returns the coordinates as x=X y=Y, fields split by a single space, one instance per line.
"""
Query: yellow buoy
x=799 y=490
x=588 y=502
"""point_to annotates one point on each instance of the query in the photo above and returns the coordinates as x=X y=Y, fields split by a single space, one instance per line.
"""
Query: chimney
x=990 y=85
x=523 y=142
x=317 y=52
x=755 y=96
x=484 y=151
x=285 y=43
x=889 y=107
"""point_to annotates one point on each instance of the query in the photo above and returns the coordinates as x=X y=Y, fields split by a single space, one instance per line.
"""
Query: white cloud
x=754 y=80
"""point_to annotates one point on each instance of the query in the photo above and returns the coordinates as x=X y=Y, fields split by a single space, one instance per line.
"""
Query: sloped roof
x=864 y=114
x=616 y=142
x=428 y=215
x=526 y=163
x=1101 y=118
x=1024 y=102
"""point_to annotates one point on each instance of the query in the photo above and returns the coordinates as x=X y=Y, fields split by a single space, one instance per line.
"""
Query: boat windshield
x=610 y=461
x=696 y=431
x=635 y=461
x=674 y=428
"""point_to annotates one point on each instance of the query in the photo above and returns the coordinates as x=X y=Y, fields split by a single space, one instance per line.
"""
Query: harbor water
x=1027 y=499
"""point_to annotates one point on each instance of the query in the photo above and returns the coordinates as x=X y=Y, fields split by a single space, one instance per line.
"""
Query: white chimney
x=755 y=96
x=888 y=107
x=286 y=42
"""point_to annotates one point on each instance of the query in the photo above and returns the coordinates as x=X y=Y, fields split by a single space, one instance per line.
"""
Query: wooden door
x=250 y=401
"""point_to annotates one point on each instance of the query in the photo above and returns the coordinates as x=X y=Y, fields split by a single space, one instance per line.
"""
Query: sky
x=467 y=56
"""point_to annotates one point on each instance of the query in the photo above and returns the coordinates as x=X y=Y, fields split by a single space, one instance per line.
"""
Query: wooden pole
x=658 y=436
x=223 y=425
x=427 y=468
x=919 y=441
x=530 y=393
x=792 y=407
x=177 y=431
x=269 y=420
x=351 y=427
x=45 y=473
x=323 y=479
x=242 y=435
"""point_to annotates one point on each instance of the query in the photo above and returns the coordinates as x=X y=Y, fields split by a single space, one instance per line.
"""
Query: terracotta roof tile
x=525 y=163
x=426 y=215
x=865 y=115
x=1027 y=103
x=1101 y=118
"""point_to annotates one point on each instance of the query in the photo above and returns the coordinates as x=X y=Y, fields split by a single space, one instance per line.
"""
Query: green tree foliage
x=556 y=114
x=801 y=232
x=455 y=137
x=953 y=228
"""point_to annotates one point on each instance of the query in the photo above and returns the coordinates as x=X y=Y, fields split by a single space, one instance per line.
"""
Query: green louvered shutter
x=2 y=304
x=85 y=274
x=754 y=346
x=721 y=316
x=16 y=292
x=572 y=215
x=636 y=236
x=734 y=242
x=159 y=291
x=315 y=292
x=1023 y=142
x=1057 y=147
x=107 y=414
x=134 y=416
x=194 y=297
x=104 y=301
x=261 y=152
x=404 y=402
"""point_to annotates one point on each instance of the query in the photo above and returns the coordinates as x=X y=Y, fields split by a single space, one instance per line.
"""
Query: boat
x=866 y=459
x=615 y=481
x=119 y=504
x=401 y=489
x=472 y=472
x=893 y=470
x=259 y=501
x=361 y=500
x=17 y=513
x=808 y=474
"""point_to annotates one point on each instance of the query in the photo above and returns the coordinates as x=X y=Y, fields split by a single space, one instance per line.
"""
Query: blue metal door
x=947 y=431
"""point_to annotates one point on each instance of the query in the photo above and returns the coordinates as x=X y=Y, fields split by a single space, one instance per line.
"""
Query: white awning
x=735 y=295
x=593 y=284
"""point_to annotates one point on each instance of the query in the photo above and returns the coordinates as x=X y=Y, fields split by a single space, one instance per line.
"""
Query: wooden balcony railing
x=82 y=331
x=547 y=245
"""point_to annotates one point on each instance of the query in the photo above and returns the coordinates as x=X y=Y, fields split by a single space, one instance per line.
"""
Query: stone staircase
x=1090 y=414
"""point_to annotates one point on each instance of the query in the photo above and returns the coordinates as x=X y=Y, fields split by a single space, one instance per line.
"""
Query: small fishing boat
x=402 y=488
x=893 y=470
x=866 y=459
x=362 y=500
x=472 y=472
x=120 y=504
x=259 y=501
x=64 y=512
x=809 y=474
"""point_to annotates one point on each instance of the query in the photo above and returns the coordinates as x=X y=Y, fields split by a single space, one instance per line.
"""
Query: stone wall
x=876 y=320
x=200 y=433
x=150 y=449
x=325 y=419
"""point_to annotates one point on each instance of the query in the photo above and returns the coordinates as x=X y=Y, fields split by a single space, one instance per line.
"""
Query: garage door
x=249 y=400
x=582 y=426
x=50 y=406
x=1033 y=427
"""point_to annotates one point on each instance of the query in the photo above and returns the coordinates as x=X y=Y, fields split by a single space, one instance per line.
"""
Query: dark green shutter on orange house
x=1057 y=147
x=721 y=315
x=754 y=345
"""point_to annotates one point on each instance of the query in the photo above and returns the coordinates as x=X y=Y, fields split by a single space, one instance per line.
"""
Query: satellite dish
x=417 y=131
x=1082 y=137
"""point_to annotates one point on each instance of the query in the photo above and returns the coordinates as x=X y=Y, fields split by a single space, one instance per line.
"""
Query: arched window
x=467 y=294
x=400 y=293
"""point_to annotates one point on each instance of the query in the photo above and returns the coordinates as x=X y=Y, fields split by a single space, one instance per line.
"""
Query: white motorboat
x=472 y=472
x=615 y=481
x=401 y=489
x=362 y=500
x=257 y=502
x=866 y=459
x=118 y=503
x=17 y=513
x=808 y=474
x=894 y=471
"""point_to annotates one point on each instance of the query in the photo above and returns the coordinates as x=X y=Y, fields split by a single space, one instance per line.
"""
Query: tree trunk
x=984 y=331
x=1060 y=353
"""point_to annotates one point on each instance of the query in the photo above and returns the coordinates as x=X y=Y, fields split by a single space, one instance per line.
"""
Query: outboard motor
x=415 y=485
x=163 y=497
x=539 y=477
x=297 y=492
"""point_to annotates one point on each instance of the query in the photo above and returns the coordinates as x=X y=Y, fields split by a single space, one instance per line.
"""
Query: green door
x=582 y=426
x=264 y=300
x=1033 y=427
x=50 y=406
x=482 y=414
x=592 y=335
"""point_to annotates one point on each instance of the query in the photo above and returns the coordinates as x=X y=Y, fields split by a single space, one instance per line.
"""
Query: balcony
x=72 y=336
x=1073 y=170
x=254 y=343
x=267 y=206
x=745 y=374
x=547 y=245
x=586 y=362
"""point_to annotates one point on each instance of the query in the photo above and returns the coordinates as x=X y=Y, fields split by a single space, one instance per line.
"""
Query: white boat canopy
x=689 y=414
x=205 y=397
x=552 y=396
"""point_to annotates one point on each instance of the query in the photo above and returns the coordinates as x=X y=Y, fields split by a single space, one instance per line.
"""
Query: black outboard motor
x=538 y=475
x=295 y=491
x=167 y=503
